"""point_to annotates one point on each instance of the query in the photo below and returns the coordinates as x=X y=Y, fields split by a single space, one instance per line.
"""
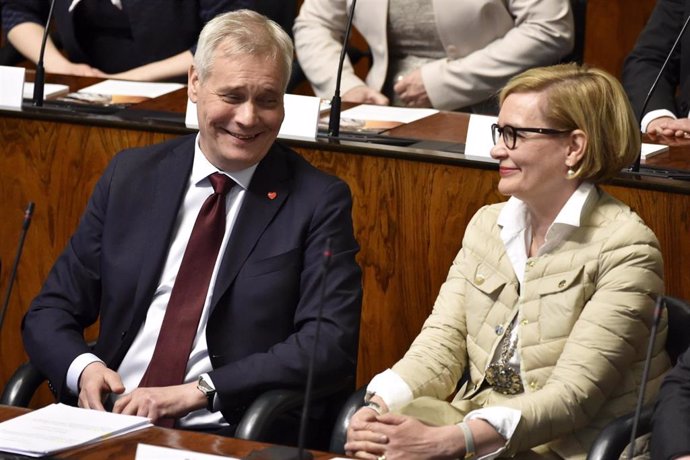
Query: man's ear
x=192 y=83
x=577 y=146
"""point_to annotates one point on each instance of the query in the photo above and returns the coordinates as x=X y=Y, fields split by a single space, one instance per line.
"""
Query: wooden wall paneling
x=668 y=215
x=612 y=30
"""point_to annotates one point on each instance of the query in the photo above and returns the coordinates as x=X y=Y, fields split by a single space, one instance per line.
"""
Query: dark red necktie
x=170 y=357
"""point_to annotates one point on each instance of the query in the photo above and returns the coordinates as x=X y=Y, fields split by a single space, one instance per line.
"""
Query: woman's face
x=535 y=170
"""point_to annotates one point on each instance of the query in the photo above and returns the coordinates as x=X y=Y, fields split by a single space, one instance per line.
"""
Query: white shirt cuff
x=76 y=368
x=653 y=115
x=503 y=419
x=390 y=387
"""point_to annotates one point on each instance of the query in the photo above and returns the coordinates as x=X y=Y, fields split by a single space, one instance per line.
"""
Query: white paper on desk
x=49 y=90
x=132 y=88
x=301 y=117
x=58 y=427
x=386 y=113
x=11 y=83
x=149 y=452
x=479 y=141
x=300 y=123
x=649 y=150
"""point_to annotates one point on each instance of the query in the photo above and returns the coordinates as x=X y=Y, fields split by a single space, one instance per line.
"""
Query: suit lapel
x=168 y=185
x=270 y=186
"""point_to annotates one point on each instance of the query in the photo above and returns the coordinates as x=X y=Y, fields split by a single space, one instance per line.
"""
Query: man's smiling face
x=240 y=108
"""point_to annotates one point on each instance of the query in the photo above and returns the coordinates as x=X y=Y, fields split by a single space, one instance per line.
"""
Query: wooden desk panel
x=125 y=447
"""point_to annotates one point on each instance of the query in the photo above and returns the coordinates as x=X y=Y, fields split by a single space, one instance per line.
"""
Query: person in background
x=547 y=307
x=671 y=419
x=667 y=112
x=149 y=40
x=191 y=352
x=432 y=53
x=8 y=55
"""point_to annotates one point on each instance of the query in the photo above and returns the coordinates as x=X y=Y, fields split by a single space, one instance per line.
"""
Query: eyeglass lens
x=508 y=133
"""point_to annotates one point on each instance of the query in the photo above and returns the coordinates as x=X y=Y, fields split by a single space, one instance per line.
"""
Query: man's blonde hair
x=240 y=33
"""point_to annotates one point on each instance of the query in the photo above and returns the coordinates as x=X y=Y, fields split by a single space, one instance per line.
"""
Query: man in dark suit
x=671 y=421
x=667 y=111
x=130 y=39
x=257 y=326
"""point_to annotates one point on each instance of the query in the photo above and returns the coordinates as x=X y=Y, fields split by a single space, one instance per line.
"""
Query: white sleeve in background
x=653 y=115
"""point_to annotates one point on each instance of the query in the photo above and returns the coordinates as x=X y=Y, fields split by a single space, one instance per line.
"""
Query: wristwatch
x=208 y=391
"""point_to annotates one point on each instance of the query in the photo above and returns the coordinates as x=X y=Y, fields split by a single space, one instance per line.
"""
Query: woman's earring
x=571 y=173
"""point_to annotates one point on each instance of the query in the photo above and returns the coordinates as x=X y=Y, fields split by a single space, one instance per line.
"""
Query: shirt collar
x=202 y=168
x=514 y=217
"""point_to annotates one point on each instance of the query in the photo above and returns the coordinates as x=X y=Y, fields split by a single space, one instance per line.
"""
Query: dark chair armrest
x=615 y=436
x=22 y=385
x=259 y=417
x=339 y=435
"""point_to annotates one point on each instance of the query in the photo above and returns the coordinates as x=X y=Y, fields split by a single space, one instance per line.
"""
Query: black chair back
x=678 y=327
x=614 y=438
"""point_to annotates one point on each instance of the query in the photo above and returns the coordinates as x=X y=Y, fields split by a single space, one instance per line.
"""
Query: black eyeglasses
x=510 y=133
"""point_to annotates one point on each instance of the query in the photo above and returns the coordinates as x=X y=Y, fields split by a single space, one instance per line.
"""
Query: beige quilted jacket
x=584 y=314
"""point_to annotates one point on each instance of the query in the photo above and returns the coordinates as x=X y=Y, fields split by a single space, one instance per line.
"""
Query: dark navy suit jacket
x=671 y=421
x=268 y=291
x=644 y=62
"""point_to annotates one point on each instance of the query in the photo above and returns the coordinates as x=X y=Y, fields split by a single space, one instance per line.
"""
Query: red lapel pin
x=272 y=195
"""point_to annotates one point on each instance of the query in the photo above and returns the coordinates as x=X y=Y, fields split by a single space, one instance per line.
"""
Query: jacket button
x=533 y=385
x=561 y=283
x=499 y=330
x=530 y=263
x=479 y=280
x=524 y=322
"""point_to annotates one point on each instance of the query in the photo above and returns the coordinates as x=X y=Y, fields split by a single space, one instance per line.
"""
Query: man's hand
x=411 y=90
x=95 y=383
x=365 y=95
x=669 y=127
x=161 y=402
x=362 y=442
x=403 y=437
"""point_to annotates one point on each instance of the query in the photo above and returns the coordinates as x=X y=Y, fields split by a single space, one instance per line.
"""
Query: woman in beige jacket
x=547 y=307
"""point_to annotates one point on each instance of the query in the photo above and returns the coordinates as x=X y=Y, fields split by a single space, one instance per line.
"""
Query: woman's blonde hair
x=580 y=97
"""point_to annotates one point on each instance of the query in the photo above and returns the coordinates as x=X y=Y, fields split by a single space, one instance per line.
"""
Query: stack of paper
x=149 y=452
x=58 y=427
x=649 y=150
x=124 y=91
x=377 y=118
x=49 y=90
